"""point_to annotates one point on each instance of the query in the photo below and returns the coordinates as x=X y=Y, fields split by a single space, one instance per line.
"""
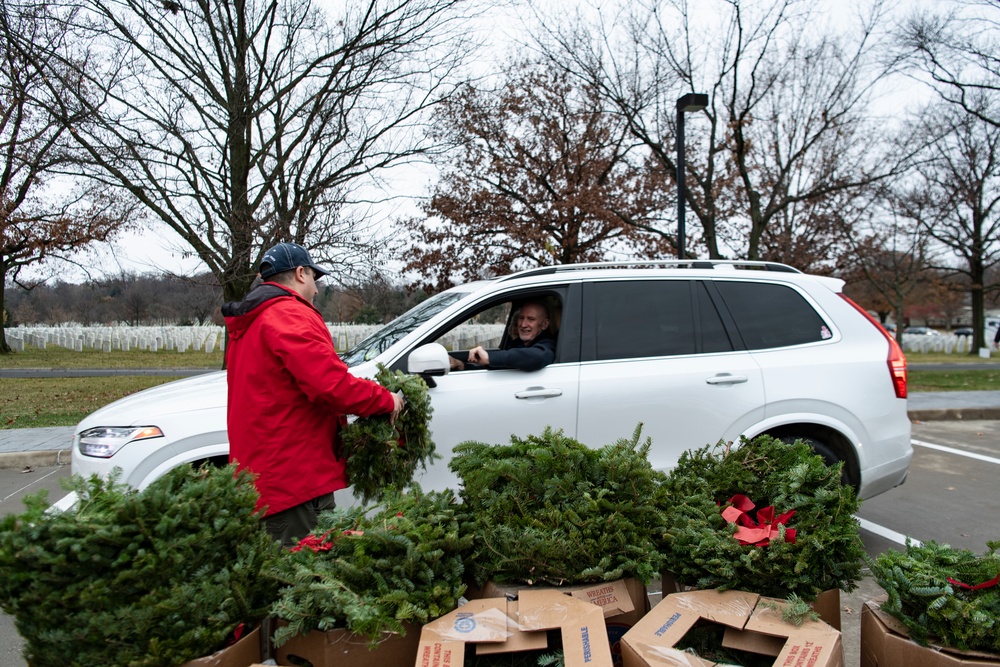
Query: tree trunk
x=4 y=347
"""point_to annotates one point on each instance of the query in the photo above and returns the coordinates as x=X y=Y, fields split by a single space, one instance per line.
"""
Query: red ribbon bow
x=760 y=532
x=986 y=584
x=316 y=543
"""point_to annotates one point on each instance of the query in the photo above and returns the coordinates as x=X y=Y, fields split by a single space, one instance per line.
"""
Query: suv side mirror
x=428 y=361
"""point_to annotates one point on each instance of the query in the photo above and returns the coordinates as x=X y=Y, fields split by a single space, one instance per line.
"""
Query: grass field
x=33 y=402
x=58 y=357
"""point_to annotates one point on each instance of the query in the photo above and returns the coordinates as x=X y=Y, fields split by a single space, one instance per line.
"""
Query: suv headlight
x=104 y=441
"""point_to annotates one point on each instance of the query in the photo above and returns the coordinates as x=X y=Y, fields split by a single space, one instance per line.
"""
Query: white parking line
x=900 y=538
x=887 y=533
x=28 y=486
x=957 y=452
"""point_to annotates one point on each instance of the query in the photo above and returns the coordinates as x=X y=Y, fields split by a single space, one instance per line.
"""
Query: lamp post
x=685 y=104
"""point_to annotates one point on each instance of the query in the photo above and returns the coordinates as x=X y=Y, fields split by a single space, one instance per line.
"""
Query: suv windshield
x=383 y=339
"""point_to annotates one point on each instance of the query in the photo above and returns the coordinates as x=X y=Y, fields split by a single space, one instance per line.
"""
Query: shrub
x=151 y=578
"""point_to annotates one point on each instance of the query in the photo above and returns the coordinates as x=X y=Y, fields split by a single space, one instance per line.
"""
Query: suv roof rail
x=656 y=264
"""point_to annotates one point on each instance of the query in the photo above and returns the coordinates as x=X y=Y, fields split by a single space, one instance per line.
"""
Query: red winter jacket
x=288 y=393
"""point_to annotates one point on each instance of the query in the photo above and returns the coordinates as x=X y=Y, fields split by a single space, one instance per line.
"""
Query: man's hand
x=478 y=355
x=398 y=404
x=456 y=364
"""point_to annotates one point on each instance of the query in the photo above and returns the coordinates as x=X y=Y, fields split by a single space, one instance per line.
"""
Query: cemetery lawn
x=59 y=357
x=35 y=402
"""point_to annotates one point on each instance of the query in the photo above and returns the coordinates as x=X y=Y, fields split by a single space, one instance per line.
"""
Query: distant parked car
x=962 y=331
x=921 y=331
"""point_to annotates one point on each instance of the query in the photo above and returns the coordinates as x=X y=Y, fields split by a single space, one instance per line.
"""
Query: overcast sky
x=157 y=249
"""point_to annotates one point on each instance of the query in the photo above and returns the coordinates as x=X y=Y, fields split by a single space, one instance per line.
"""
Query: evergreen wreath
x=381 y=455
x=797 y=492
x=372 y=573
x=147 y=579
x=943 y=594
x=548 y=509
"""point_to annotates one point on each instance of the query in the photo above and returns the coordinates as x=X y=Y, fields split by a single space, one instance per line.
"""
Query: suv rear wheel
x=831 y=454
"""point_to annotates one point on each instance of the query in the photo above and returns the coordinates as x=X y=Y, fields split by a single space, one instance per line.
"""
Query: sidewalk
x=51 y=446
x=964 y=405
x=20 y=447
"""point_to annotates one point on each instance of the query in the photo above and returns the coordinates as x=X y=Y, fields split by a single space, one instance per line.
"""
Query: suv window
x=770 y=315
x=384 y=338
x=655 y=318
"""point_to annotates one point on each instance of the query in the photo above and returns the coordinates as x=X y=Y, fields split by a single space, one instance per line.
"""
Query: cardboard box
x=623 y=602
x=885 y=642
x=826 y=604
x=335 y=648
x=244 y=652
x=490 y=620
x=750 y=625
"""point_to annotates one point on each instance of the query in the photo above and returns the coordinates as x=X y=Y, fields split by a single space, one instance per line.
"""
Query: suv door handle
x=538 y=392
x=726 y=378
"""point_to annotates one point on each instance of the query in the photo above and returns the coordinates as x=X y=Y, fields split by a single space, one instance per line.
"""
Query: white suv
x=698 y=351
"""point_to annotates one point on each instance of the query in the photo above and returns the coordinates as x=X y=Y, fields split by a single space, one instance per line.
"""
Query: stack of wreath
x=942 y=594
x=373 y=570
x=767 y=517
x=549 y=510
x=151 y=578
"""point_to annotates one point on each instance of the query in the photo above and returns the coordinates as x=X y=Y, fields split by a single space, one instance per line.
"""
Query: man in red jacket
x=289 y=393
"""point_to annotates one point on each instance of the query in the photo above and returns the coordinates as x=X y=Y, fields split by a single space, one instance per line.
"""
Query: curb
x=954 y=414
x=52 y=457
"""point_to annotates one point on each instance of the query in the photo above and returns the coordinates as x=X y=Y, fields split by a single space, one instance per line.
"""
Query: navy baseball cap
x=286 y=257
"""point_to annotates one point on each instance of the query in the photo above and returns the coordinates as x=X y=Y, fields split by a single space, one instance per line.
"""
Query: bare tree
x=787 y=126
x=958 y=49
x=540 y=176
x=39 y=217
x=890 y=257
x=240 y=124
x=956 y=199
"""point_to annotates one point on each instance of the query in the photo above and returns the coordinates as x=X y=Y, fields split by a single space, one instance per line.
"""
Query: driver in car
x=533 y=347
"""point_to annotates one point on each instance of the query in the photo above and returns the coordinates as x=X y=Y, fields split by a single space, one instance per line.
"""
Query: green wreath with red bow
x=765 y=516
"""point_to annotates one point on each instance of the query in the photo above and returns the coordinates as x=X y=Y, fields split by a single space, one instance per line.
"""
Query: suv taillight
x=897 y=360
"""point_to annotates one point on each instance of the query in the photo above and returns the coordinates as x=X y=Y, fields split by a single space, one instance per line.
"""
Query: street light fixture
x=686 y=104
